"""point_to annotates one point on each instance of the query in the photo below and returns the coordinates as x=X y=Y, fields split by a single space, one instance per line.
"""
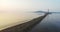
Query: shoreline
x=25 y=26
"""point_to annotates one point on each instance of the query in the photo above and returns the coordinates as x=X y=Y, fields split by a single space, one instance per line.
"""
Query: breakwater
x=25 y=27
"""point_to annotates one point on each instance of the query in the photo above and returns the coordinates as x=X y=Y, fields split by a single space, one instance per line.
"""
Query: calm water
x=11 y=19
x=50 y=24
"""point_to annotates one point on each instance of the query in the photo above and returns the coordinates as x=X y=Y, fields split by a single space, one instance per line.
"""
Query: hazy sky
x=29 y=5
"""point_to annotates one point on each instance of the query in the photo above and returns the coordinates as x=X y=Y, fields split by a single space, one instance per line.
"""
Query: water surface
x=50 y=24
